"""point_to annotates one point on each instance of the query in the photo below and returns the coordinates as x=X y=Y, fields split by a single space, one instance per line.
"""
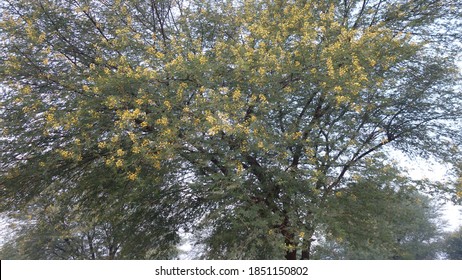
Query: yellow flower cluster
x=111 y=102
x=168 y=105
x=134 y=175
x=162 y=121
x=236 y=95
x=120 y=152
x=136 y=149
x=65 y=154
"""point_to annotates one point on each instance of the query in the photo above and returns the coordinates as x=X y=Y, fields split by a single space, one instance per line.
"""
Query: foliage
x=381 y=216
x=105 y=217
x=453 y=245
x=242 y=117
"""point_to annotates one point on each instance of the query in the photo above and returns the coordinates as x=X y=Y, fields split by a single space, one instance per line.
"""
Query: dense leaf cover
x=125 y=123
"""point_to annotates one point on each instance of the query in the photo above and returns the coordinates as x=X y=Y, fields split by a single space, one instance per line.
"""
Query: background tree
x=380 y=216
x=243 y=117
x=453 y=245
x=101 y=218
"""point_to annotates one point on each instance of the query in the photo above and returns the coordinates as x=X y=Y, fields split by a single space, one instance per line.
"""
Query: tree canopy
x=237 y=121
x=380 y=217
x=453 y=245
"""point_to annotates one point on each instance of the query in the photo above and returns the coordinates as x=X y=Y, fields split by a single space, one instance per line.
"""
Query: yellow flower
x=65 y=154
x=26 y=90
x=261 y=145
x=157 y=164
x=41 y=38
x=202 y=60
x=297 y=135
x=341 y=99
x=136 y=112
x=261 y=71
x=262 y=98
x=168 y=105
x=120 y=152
x=119 y=163
x=330 y=67
x=240 y=168
x=236 y=95
x=210 y=119
x=132 y=136
x=372 y=62
x=214 y=130
x=136 y=150
x=145 y=143
x=132 y=176
x=50 y=117
x=162 y=121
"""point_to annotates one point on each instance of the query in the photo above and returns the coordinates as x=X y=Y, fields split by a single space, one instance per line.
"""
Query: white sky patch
x=419 y=169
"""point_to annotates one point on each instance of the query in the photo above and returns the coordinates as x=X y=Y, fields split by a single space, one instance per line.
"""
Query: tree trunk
x=306 y=252
x=291 y=255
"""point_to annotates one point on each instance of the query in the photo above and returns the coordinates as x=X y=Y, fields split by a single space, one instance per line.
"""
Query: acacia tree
x=239 y=119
